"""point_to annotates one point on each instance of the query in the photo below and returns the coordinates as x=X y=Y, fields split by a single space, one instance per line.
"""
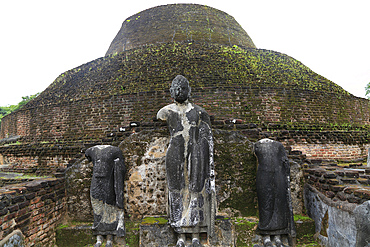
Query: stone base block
x=156 y=232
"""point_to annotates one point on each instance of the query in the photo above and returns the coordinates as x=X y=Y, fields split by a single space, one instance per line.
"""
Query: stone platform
x=138 y=233
x=156 y=232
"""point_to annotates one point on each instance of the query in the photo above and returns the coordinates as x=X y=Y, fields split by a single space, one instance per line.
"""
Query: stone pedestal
x=368 y=157
x=156 y=232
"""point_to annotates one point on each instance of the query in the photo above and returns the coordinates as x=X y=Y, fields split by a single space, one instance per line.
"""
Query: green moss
x=240 y=66
x=66 y=236
x=245 y=230
x=61 y=226
x=305 y=231
x=132 y=233
x=154 y=220
x=299 y=217
x=80 y=234
x=228 y=81
x=27 y=176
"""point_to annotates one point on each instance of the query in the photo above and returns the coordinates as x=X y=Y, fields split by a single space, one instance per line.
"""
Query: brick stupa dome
x=179 y=22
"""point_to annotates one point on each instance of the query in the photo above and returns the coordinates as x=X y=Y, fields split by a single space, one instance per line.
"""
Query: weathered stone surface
x=157 y=234
x=296 y=189
x=334 y=221
x=14 y=239
x=362 y=220
x=145 y=185
x=78 y=180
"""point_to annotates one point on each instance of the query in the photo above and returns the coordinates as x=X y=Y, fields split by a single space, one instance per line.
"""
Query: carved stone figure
x=189 y=165
x=106 y=192
x=276 y=223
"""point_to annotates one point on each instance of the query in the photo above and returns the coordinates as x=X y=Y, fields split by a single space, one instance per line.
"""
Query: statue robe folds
x=190 y=169
x=273 y=189
x=106 y=191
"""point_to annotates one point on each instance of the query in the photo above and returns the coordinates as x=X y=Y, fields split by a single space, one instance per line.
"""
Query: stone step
x=242 y=229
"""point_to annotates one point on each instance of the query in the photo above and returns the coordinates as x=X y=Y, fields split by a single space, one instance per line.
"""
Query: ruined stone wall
x=145 y=188
x=145 y=183
x=34 y=208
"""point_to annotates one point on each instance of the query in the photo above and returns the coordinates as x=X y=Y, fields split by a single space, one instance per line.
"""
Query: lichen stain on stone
x=110 y=214
x=135 y=176
x=146 y=183
x=157 y=149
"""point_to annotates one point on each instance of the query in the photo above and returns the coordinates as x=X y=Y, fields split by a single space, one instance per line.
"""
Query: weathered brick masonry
x=264 y=88
x=341 y=183
x=34 y=207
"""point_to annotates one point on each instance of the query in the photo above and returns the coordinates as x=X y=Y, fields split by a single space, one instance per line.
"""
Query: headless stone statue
x=189 y=165
x=106 y=192
x=276 y=222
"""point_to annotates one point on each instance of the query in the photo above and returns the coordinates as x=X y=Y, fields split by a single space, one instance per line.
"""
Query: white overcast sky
x=41 y=39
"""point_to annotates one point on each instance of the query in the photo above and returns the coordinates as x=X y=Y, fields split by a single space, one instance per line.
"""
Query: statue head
x=180 y=89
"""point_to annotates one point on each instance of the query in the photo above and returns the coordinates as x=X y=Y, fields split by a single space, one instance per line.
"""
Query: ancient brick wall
x=74 y=124
x=332 y=151
x=41 y=159
x=34 y=208
x=94 y=118
x=277 y=94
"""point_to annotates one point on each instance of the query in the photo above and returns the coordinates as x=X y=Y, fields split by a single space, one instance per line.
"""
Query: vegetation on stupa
x=5 y=110
x=152 y=67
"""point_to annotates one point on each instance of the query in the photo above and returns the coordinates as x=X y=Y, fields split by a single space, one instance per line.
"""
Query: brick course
x=345 y=182
x=34 y=208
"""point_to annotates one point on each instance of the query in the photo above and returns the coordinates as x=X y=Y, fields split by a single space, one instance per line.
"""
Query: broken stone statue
x=106 y=192
x=276 y=222
x=189 y=166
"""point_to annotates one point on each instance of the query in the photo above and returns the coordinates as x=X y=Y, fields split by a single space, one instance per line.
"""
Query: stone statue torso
x=189 y=165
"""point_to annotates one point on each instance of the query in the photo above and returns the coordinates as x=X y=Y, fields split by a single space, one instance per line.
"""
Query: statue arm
x=88 y=154
x=205 y=117
x=162 y=114
x=119 y=175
